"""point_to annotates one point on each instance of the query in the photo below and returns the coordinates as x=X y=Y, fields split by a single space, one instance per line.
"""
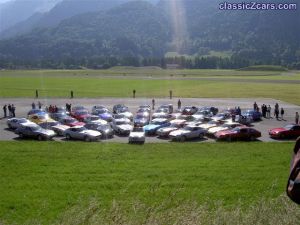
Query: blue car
x=103 y=114
x=156 y=124
x=252 y=113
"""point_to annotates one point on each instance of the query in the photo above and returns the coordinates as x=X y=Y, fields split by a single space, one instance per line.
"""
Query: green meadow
x=59 y=84
x=68 y=183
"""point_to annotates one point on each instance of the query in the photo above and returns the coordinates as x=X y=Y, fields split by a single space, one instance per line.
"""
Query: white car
x=14 y=123
x=121 y=128
x=188 y=132
x=82 y=133
x=210 y=124
x=120 y=118
x=57 y=127
x=226 y=126
x=137 y=135
x=127 y=114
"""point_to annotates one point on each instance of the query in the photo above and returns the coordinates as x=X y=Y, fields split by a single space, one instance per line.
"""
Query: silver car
x=137 y=135
x=186 y=133
x=82 y=133
x=14 y=123
x=34 y=131
x=121 y=128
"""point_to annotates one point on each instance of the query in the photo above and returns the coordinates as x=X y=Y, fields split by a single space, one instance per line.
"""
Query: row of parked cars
x=178 y=125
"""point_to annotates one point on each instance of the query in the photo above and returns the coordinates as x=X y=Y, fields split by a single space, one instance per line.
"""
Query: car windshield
x=236 y=129
x=118 y=116
x=104 y=127
x=162 y=110
x=174 y=125
x=36 y=128
x=22 y=120
x=157 y=122
x=188 y=128
x=138 y=129
x=81 y=128
x=120 y=122
x=288 y=127
x=139 y=117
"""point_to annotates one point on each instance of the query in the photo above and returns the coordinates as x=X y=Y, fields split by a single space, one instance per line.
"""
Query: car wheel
x=87 y=139
x=68 y=137
x=182 y=139
x=9 y=126
x=21 y=135
x=201 y=136
x=252 y=138
x=282 y=136
x=39 y=137
x=228 y=138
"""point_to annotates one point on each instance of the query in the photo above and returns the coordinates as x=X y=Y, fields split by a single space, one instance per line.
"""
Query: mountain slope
x=132 y=29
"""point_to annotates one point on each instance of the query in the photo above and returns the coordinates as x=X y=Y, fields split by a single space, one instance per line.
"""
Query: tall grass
x=279 y=211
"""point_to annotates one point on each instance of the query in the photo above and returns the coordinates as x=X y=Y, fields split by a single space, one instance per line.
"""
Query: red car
x=71 y=122
x=238 y=133
x=80 y=115
x=289 y=131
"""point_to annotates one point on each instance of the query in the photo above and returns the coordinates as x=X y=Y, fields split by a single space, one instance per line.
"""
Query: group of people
x=51 y=109
x=267 y=110
x=9 y=110
x=33 y=105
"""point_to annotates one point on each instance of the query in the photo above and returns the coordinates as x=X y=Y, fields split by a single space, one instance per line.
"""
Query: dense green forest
x=138 y=33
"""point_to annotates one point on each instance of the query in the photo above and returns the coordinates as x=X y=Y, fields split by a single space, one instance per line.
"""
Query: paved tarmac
x=23 y=105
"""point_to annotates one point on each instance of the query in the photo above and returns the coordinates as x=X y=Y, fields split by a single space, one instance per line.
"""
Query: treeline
x=213 y=62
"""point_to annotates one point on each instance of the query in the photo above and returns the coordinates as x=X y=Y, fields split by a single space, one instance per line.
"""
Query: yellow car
x=40 y=118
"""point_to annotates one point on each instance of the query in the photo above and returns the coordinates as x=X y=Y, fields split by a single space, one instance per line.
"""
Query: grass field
x=48 y=86
x=46 y=182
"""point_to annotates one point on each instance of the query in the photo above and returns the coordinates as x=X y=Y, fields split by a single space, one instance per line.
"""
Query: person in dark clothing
x=13 y=110
x=179 y=104
x=40 y=105
x=297 y=118
x=33 y=105
x=153 y=104
x=9 y=110
x=281 y=113
x=5 y=111
x=276 y=112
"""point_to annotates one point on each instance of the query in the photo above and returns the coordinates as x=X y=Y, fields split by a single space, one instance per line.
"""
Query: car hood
x=136 y=134
x=151 y=126
x=125 y=126
x=276 y=130
x=179 y=132
x=91 y=132
x=167 y=129
x=47 y=132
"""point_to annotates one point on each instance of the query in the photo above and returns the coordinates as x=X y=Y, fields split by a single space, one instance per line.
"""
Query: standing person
x=153 y=104
x=276 y=113
x=33 y=105
x=9 y=110
x=297 y=118
x=179 y=104
x=269 y=111
x=281 y=113
x=5 y=111
x=40 y=105
x=13 y=110
x=255 y=106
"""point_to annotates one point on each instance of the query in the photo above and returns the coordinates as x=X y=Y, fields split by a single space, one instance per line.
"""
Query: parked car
x=203 y=115
x=210 y=109
x=82 y=133
x=155 y=124
x=14 y=123
x=220 y=116
x=40 y=118
x=210 y=124
x=144 y=112
x=289 y=131
x=120 y=118
x=94 y=119
x=121 y=127
x=238 y=133
x=161 y=113
x=119 y=108
x=103 y=113
x=57 y=127
x=71 y=122
x=168 y=107
x=226 y=126
x=165 y=131
x=140 y=121
x=189 y=110
x=58 y=115
x=186 y=133
x=255 y=115
x=105 y=129
x=137 y=135
x=34 y=131
x=37 y=112
x=80 y=115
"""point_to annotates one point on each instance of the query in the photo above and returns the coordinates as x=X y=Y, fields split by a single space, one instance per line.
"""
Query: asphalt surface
x=23 y=105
